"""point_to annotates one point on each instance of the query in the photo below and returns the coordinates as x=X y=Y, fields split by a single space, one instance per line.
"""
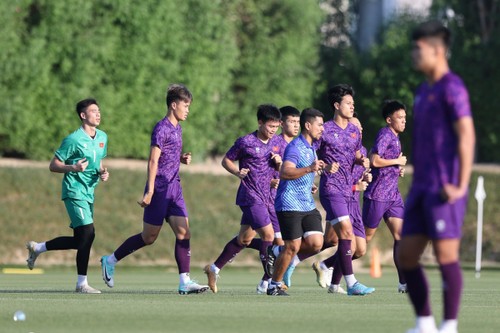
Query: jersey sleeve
x=159 y=135
x=457 y=99
x=66 y=150
x=381 y=144
x=235 y=152
x=292 y=154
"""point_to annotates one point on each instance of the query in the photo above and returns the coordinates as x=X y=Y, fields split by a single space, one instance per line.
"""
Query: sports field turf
x=146 y=300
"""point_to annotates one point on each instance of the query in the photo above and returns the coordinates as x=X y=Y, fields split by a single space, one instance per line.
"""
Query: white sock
x=40 y=247
x=426 y=323
x=350 y=280
x=276 y=250
x=82 y=280
x=323 y=266
x=215 y=269
x=184 y=278
x=450 y=325
x=111 y=259
x=295 y=260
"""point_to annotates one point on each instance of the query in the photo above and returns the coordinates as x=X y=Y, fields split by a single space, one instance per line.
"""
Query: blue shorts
x=165 y=204
x=428 y=214
x=374 y=211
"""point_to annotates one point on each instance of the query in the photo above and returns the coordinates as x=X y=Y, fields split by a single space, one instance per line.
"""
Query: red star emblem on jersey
x=101 y=144
x=353 y=135
x=276 y=149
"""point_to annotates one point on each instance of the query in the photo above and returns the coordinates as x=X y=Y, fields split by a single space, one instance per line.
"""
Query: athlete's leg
x=395 y=224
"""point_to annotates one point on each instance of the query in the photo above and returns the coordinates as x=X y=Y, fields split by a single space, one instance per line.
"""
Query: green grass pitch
x=146 y=300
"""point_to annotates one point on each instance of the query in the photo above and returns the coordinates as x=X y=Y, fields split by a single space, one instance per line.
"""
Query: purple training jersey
x=255 y=155
x=436 y=109
x=282 y=143
x=384 y=186
x=338 y=145
x=168 y=138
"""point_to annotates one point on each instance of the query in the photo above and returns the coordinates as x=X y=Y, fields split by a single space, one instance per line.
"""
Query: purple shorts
x=260 y=215
x=374 y=211
x=165 y=204
x=428 y=214
x=336 y=207
x=356 y=220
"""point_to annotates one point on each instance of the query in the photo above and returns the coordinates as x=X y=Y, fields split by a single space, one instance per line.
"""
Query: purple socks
x=131 y=245
x=182 y=255
x=395 y=258
x=452 y=289
x=230 y=251
x=345 y=256
x=418 y=289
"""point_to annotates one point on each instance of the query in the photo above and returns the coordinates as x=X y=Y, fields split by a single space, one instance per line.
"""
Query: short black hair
x=82 y=105
x=307 y=115
x=432 y=29
x=268 y=112
x=337 y=92
x=391 y=106
x=289 y=111
x=178 y=92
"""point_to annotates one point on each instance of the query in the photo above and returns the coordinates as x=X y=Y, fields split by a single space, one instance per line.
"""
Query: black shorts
x=294 y=225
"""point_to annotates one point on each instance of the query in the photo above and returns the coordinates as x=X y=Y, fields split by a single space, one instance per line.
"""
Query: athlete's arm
x=362 y=160
x=56 y=165
x=154 y=156
x=289 y=170
x=231 y=167
x=103 y=173
x=378 y=162
x=464 y=128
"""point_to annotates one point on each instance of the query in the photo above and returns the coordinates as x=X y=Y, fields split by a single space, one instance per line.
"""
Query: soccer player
x=299 y=219
x=341 y=143
x=80 y=159
x=361 y=178
x=382 y=198
x=258 y=154
x=163 y=199
x=443 y=150
x=290 y=126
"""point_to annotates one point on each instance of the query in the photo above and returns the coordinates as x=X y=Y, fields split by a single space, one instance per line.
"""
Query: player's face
x=181 y=109
x=92 y=116
x=316 y=128
x=291 y=126
x=346 y=107
x=357 y=123
x=425 y=54
x=269 y=128
x=398 y=121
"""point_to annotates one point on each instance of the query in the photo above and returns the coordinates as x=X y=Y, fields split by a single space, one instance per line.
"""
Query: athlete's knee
x=149 y=238
x=292 y=248
x=183 y=234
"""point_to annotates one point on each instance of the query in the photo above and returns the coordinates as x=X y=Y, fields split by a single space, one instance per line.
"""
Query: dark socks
x=255 y=244
x=182 y=255
x=263 y=254
x=131 y=245
x=345 y=256
x=418 y=289
x=230 y=251
x=452 y=289
x=395 y=256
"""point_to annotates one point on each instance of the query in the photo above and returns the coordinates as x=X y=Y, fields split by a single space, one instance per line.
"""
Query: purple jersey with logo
x=338 y=145
x=282 y=143
x=384 y=186
x=436 y=109
x=169 y=139
x=255 y=155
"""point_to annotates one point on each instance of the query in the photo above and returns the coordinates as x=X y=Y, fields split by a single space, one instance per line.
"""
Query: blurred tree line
x=232 y=54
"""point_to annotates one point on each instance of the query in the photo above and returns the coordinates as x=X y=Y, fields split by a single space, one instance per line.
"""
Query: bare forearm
x=230 y=166
x=290 y=173
x=379 y=162
x=152 y=171
x=466 y=157
x=58 y=166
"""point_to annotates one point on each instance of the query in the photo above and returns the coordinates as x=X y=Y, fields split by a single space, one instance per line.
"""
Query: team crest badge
x=353 y=135
x=276 y=149
x=101 y=144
